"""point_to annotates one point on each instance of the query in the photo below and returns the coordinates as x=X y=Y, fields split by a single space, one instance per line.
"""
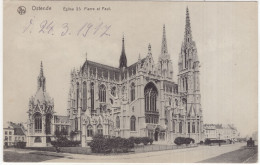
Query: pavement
x=187 y=155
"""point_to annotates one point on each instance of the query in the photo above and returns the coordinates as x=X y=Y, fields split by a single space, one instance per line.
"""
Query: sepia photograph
x=130 y=82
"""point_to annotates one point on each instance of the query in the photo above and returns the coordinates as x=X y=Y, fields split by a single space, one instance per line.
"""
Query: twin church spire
x=164 y=56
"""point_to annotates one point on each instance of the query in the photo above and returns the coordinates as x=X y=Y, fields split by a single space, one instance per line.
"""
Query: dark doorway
x=156 y=134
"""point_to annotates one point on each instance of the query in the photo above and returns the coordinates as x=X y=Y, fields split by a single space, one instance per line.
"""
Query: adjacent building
x=220 y=131
x=14 y=133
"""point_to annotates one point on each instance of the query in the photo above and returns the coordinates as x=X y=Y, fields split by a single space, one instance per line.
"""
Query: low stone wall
x=136 y=149
x=159 y=147
x=73 y=150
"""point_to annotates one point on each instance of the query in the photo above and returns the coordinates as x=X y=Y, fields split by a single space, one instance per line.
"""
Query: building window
x=84 y=106
x=89 y=131
x=132 y=92
x=184 y=103
x=38 y=123
x=188 y=127
x=117 y=122
x=10 y=138
x=132 y=124
x=113 y=91
x=151 y=113
x=100 y=129
x=48 y=123
x=77 y=96
x=76 y=124
x=170 y=101
x=193 y=127
x=6 y=138
x=180 y=127
x=6 y=132
x=92 y=95
x=198 y=126
x=173 y=126
x=176 y=102
x=186 y=80
x=102 y=93
x=10 y=133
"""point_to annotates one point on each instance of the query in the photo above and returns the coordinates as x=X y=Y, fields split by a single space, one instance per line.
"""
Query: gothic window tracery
x=193 y=127
x=132 y=124
x=92 y=95
x=100 y=129
x=132 y=92
x=151 y=113
x=77 y=96
x=102 y=93
x=89 y=131
x=38 y=123
x=84 y=96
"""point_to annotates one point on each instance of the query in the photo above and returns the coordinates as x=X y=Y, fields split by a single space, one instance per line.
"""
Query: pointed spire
x=123 y=60
x=41 y=70
x=164 y=49
x=149 y=50
x=41 y=79
x=187 y=36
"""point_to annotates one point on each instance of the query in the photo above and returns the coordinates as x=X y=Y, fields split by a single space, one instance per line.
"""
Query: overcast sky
x=225 y=35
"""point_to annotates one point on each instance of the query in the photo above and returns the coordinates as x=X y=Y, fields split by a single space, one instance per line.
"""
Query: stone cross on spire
x=164 y=49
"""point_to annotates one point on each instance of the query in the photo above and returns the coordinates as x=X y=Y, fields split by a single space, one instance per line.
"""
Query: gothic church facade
x=141 y=99
x=137 y=100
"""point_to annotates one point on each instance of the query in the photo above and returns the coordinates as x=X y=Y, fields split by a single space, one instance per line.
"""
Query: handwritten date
x=48 y=27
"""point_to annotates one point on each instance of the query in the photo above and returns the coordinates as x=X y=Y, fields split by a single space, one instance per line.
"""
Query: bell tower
x=188 y=77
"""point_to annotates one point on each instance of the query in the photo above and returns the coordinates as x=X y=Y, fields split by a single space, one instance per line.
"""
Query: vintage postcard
x=130 y=82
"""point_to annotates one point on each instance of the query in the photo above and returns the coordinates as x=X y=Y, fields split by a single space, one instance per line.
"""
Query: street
x=188 y=155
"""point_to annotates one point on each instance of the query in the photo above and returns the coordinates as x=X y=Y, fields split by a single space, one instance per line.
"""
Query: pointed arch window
x=173 y=126
x=184 y=103
x=180 y=127
x=84 y=96
x=117 y=122
x=102 y=93
x=89 y=131
x=100 y=129
x=38 y=123
x=132 y=92
x=92 y=95
x=113 y=91
x=193 y=127
x=151 y=113
x=77 y=96
x=188 y=127
x=132 y=124
x=48 y=123
x=76 y=124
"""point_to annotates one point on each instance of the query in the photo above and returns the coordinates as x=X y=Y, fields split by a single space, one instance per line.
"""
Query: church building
x=139 y=100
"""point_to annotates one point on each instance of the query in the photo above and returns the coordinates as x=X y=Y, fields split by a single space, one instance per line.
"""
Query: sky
x=225 y=34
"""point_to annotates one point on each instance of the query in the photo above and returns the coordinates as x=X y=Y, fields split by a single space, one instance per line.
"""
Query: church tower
x=165 y=64
x=188 y=80
x=123 y=60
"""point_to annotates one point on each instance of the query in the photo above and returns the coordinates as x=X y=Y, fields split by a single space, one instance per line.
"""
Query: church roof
x=42 y=97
